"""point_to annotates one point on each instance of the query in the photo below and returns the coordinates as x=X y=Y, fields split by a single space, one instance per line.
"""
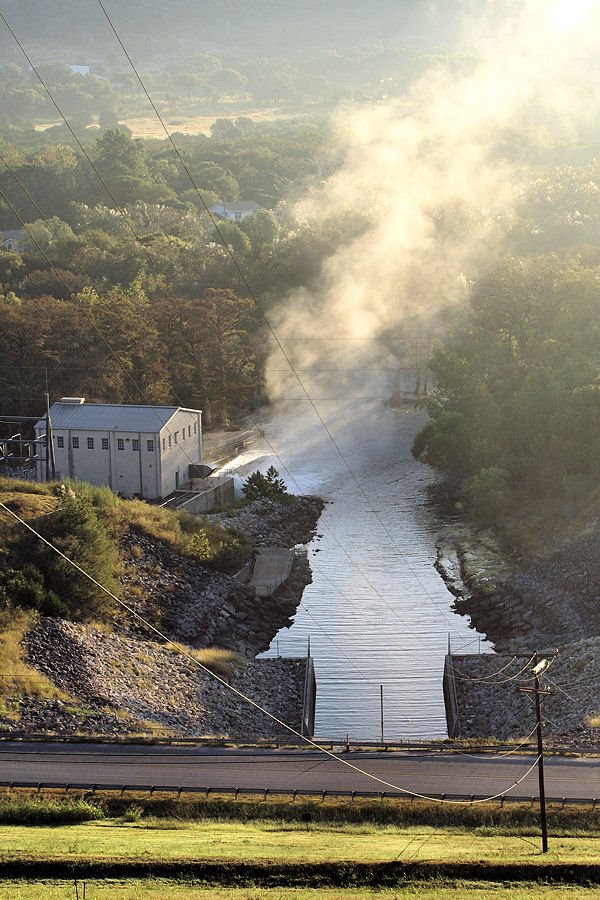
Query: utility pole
x=537 y=690
x=50 y=461
x=381 y=702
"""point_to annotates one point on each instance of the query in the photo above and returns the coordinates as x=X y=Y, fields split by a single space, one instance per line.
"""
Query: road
x=288 y=770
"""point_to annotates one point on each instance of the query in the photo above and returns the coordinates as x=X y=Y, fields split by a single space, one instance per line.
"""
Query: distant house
x=146 y=451
x=13 y=240
x=236 y=212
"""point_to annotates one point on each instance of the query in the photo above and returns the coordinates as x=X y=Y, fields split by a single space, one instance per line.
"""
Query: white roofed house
x=236 y=212
x=143 y=451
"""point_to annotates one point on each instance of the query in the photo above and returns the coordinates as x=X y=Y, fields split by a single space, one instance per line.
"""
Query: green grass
x=25 y=501
x=276 y=841
x=132 y=850
x=489 y=818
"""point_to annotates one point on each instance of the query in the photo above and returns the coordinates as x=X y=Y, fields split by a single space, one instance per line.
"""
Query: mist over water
x=377 y=612
x=435 y=178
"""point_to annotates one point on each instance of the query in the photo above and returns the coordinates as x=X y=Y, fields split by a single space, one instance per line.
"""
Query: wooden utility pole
x=540 y=745
x=537 y=690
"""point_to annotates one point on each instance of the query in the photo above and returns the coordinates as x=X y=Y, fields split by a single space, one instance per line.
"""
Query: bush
x=33 y=811
x=199 y=546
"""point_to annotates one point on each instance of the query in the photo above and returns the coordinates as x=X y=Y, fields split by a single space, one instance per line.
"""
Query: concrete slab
x=272 y=567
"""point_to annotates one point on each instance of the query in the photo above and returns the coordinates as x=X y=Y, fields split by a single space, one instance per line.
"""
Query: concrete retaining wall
x=216 y=494
x=451 y=699
x=310 y=699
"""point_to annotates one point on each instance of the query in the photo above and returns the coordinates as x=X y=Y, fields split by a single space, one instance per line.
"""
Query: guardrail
x=265 y=793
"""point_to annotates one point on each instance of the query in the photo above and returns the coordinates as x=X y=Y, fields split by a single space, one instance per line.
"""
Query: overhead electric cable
x=339 y=543
x=98 y=331
x=248 y=700
x=460 y=676
x=230 y=252
x=251 y=293
x=61 y=278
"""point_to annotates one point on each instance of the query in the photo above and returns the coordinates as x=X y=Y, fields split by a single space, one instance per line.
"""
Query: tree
x=515 y=415
x=74 y=528
x=265 y=487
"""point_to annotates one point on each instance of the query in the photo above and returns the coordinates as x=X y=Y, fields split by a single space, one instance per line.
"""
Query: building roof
x=74 y=413
x=13 y=234
x=240 y=206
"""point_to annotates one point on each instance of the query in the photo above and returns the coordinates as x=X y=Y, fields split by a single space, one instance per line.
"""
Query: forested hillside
x=121 y=287
x=239 y=23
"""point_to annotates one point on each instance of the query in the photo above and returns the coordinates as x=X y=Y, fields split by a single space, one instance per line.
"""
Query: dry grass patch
x=27 y=499
x=216 y=659
x=23 y=680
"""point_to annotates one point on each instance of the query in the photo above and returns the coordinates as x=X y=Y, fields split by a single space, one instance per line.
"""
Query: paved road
x=279 y=770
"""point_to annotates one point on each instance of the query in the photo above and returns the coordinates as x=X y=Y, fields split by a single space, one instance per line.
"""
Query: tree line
x=515 y=415
x=204 y=352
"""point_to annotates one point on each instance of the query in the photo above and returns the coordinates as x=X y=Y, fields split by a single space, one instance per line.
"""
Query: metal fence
x=265 y=793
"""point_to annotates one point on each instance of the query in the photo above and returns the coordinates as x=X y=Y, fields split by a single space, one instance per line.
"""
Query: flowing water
x=377 y=613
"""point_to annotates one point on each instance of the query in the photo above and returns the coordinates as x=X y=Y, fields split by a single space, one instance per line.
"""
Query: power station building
x=143 y=451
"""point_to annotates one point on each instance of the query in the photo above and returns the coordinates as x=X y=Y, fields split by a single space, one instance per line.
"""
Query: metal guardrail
x=265 y=793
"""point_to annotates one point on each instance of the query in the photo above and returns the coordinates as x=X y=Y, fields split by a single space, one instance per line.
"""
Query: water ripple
x=377 y=613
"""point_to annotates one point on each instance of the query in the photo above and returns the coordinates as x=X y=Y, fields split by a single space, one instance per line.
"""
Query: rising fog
x=429 y=176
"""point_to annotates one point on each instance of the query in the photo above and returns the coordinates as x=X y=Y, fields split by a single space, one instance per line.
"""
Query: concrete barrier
x=214 y=494
x=310 y=700
x=451 y=699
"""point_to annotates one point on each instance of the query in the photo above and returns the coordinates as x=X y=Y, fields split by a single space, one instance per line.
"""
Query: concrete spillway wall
x=451 y=699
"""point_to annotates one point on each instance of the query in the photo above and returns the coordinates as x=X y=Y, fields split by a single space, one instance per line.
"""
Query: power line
x=238 y=269
x=243 y=696
x=245 y=282
x=460 y=676
x=338 y=542
x=273 y=333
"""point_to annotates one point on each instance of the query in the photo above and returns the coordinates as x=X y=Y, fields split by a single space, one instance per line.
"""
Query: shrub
x=32 y=811
x=199 y=546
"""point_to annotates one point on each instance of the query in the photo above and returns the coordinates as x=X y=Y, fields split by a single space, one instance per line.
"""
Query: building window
x=75 y=442
x=120 y=444
x=190 y=430
x=195 y=427
x=169 y=442
x=105 y=443
x=90 y=443
x=135 y=444
x=60 y=441
x=176 y=437
x=150 y=446
x=163 y=443
x=183 y=435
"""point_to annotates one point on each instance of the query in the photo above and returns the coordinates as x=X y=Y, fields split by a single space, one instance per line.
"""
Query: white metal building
x=143 y=451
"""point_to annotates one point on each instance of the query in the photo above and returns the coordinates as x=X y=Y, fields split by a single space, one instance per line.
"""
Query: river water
x=377 y=612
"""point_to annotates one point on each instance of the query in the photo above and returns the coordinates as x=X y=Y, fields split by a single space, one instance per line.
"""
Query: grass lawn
x=150 y=840
x=278 y=842
x=164 y=890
